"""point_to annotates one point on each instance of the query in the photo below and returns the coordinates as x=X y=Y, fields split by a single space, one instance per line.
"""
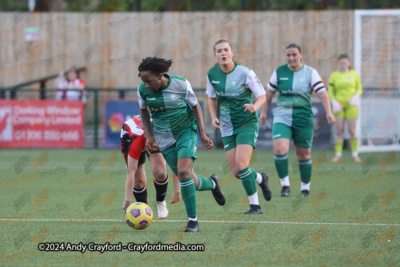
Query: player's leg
x=242 y=172
x=186 y=148
x=188 y=190
x=305 y=167
x=230 y=152
x=139 y=189
x=281 y=135
x=247 y=175
x=302 y=138
x=158 y=168
x=211 y=183
x=246 y=141
x=339 y=124
x=176 y=197
x=351 y=118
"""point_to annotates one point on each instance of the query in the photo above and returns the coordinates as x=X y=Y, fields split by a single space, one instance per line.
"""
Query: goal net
x=377 y=60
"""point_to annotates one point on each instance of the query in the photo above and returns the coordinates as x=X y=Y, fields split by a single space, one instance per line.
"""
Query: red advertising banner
x=41 y=123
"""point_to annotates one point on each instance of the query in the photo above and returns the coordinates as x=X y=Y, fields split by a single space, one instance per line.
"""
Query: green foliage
x=208 y=5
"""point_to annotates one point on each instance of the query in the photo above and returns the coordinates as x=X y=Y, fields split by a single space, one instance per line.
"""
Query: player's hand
x=176 y=197
x=354 y=100
x=250 y=108
x=336 y=106
x=126 y=204
x=330 y=118
x=215 y=124
x=263 y=118
x=207 y=142
x=151 y=144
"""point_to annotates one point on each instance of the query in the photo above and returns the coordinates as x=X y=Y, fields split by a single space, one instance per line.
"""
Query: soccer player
x=345 y=90
x=229 y=88
x=133 y=144
x=293 y=117
x=176 y=117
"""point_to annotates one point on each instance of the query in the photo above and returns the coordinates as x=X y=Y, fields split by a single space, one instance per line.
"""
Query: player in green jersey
x=345 y=90
x=229 y=87
x=176 y=117
x=293 y=117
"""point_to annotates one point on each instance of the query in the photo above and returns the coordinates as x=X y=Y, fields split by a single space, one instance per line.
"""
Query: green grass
x=33 y=186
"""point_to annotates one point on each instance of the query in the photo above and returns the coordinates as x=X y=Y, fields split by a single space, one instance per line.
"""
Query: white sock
x=193 y=219
x=254 y=199
x=339 y=155
x=259 y=178
x=305 y=186
x=354 y=154
x=285 y=181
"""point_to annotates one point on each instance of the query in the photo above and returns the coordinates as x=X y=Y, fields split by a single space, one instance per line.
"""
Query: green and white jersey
x=171 y=109
x=293 y=107
x=233 y=90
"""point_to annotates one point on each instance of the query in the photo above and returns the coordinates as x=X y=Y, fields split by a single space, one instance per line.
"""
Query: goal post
x=377 y=60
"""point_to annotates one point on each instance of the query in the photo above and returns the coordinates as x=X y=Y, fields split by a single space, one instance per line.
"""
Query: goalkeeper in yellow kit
x=344 y=91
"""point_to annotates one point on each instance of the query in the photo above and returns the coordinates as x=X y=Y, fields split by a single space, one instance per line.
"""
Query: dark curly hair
x=155 y=65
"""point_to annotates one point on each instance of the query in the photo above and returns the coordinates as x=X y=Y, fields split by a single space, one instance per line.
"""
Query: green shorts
x=185 y=147
x=243 y=138
x=348 y=112
x=302 y=136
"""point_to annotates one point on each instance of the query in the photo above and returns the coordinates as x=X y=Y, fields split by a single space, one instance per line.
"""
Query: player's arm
x=151 y=144
x=130 y=181
x=319 y=87
x=271 y=90
x=331 y=87
x=192 y=100
x=263 y=116
x=254 y=84
x=336 y=105
x=212 y=104
x=358 y=84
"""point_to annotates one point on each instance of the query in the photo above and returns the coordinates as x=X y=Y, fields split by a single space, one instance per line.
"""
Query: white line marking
x=201 y=221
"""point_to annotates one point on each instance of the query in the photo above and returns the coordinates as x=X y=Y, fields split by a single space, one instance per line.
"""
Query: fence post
x=42 y=89
x=13 y=93
x=96 y=118
x=121 y=94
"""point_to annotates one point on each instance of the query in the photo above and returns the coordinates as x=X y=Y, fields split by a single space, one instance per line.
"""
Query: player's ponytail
x=155 y=65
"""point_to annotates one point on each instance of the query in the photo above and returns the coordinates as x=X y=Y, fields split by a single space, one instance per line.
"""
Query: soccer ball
x=139 y=215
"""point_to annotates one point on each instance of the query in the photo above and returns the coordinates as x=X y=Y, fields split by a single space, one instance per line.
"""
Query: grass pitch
x=351 y=218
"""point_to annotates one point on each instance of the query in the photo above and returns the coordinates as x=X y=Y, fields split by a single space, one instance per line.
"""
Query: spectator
x=71 y=88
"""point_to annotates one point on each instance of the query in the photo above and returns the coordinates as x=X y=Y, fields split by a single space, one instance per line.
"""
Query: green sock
x=205 y=183
x=305 y=170
x=282 y=166
x=248 y=181
x=339 y=147
x=188 y=190
x=354 y=144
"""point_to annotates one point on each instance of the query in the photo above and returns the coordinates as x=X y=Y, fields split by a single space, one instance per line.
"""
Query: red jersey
x=133 y=140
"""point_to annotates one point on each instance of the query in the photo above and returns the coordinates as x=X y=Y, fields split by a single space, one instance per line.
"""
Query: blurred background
x=103 y=42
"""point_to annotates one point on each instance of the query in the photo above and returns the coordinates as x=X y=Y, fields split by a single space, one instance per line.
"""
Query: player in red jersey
x=133 y=144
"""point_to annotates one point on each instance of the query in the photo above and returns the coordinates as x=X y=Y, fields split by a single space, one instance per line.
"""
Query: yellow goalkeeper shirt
x=344 y=85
